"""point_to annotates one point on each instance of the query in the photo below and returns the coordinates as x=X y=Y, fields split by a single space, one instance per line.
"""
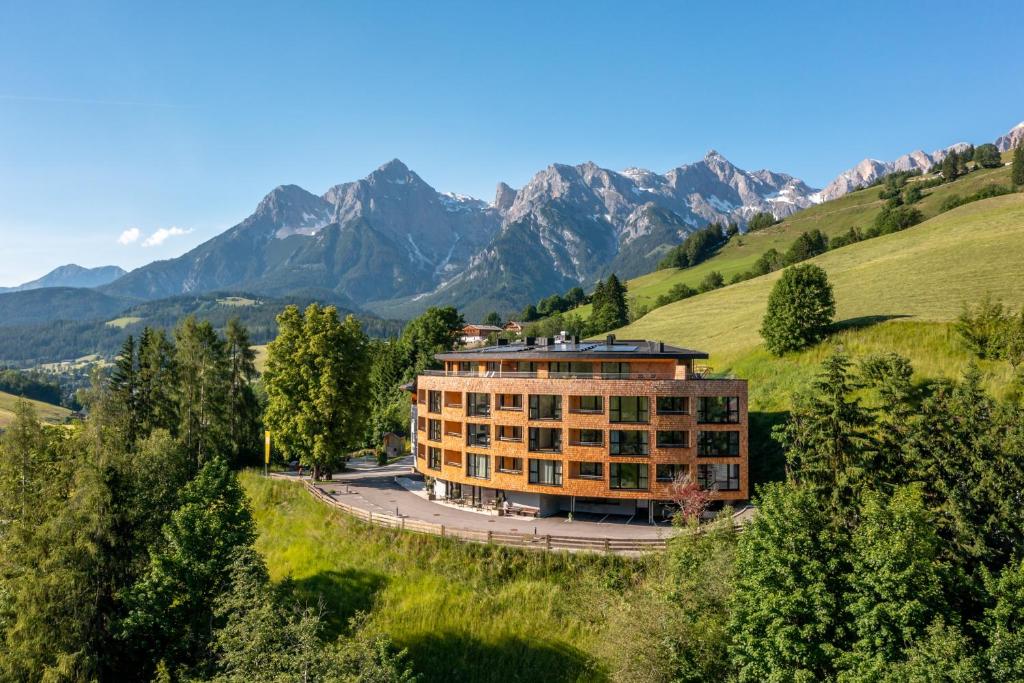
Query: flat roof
x=574 y=349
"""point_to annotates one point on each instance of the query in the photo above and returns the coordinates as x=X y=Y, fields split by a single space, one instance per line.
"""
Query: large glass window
x=628 y=442
x=434 y=401
x=673 y=439
x=545 y=407
x=587 y=404
x=434 y=430
x=671 y=472
x=627 y=475
x=718 y=409
x=614 y=369
x=673 y=405
x=478 y=435
x=504 y=463
x=478 y=405
x=544 y=439
x=719 y=477
x=628 y=409
x=434 y=458
x=591 y=470
x=547 y=472
x=478 y=466
x=718 y=444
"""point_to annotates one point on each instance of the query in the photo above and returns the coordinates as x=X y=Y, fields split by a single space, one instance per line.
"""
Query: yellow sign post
x=266 y=456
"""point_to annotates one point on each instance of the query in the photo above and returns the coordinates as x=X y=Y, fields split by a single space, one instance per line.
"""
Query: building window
x=434 y=458
x=718 y=444
x=671 y=472
x=503 y=463
x=572 y=369
x=673 y=405
x=545 y=472
x=510 y=401
x=478 y=466
x=478 y=405
x=614 y=370
x=628 y=442
x=591 y=470
x=545 y=407
x=591 y=437
x=673 y=439
x=627 y=475
x=589 y=404
x=719 y=477
x=434 y=401
x=718 y=409
x=510 y=433
x=543 y=439
x=478 y=435
x=629 y=409
x=434 y=431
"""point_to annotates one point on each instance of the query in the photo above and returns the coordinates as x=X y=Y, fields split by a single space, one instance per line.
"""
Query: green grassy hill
x=46 y=411
x=895 y=292
x=857 y=209
x=465 y=612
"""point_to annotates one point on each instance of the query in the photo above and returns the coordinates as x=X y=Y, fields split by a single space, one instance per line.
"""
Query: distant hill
x=898 y=292
x=72 y=275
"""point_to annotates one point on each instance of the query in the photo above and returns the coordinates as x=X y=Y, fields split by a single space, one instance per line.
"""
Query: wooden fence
x=531 y=541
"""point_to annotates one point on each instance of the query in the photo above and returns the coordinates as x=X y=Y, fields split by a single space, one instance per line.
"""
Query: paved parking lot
x=374 y=489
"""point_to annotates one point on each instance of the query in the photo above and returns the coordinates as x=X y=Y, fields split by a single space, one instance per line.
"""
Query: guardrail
x=528 y=541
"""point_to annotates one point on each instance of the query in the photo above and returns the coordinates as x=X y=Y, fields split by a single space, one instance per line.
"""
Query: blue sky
x=179 y=117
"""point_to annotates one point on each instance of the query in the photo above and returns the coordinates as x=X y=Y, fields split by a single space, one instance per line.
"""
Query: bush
x=800 y=309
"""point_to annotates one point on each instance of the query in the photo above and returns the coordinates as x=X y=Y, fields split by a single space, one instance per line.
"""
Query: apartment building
x=602 y=427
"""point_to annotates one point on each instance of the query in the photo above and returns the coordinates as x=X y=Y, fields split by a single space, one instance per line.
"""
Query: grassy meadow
x=464 y=611
x=47 y=411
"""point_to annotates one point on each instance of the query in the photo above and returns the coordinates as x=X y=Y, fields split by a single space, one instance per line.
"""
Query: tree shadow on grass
x=452 y=656
x=863 y=321
x=767 y=459
x=343 y=593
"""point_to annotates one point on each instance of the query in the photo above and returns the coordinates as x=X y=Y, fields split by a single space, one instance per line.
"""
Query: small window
x=672 y=472
x=478 y=435
x=673 y=405
x=434 y=401
x=718 y=409
x=434 y=432
x=591 y=470
x=719 y=477
x=434 y=458
x=623 y=475
x=718 y=444
x=628 y=409
x=628 y=442
x=478 y=466
x=545 y=472
x=545 y=407
x=478 y=405
x=673 y=439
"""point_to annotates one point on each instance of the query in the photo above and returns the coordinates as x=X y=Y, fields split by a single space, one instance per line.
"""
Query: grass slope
x=857 y=209
x=895 y=292
x=47 y=411
x=465 y=612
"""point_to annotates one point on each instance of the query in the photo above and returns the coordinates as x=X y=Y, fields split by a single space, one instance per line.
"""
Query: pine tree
x=1017 y=171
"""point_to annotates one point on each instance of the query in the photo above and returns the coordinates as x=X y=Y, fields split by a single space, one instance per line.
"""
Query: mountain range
x=72 y=275
x=393 y=244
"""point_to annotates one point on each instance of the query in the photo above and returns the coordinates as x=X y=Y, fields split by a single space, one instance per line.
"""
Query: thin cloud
x=161 y=235
x=129 y=236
